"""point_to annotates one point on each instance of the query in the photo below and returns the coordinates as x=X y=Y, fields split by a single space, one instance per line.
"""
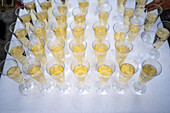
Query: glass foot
x=154 y=54
x=120 y=88
x=48 y=86
x=82 y=89
x=138 y=89
x=102 y=89
x=63 y=89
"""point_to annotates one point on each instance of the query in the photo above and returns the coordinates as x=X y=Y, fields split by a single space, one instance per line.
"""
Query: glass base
x=82 y=89
x=102 y=89
x=120 y=88
x=138 y=89
x=63 y=89
x=154 y=54
x=48 y=86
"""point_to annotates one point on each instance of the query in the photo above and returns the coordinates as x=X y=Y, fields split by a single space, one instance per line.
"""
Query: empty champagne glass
x=127 y=68
x=15 y=49
x=105 y=70
x=78 y=31
x=100 y=50
x=57 y=46
x=56 y=69
x=151 y=16
x=78 y=49
x=80 y=70
x=150 y=69
x=104 y=10
x=162 y=34
x=140 y=8
x=83 y=4
x=100 y=31
x=19 y=31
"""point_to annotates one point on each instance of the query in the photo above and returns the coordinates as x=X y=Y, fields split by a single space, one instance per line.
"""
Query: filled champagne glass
x=104 y=10
x=27 y=87
x=79 y=15
x=100 y=50
x=83 y=4
x=78 y=31
x=100 y=31
x=34 y=70
x=80 y=70
x=152 y=16
x=162 y=34
x=150 y=69
x=123 y=49
x=105 y=70
x=30 y=7
x=57 y=46
x=78 y=49
x=135 y=26
x=127 y=68
x=120 y=7
x=140 y=8
x=19 y=31
x=24 y=17
x=37 y=47
x=15 y=49
x=56 y=69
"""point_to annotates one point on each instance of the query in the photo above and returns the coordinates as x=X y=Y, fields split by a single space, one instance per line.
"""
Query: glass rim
x=153 y=65
x=78 y=43
x=52 y=27
x=93 y=26
x=84 y=27
x=119 y=30
x=132 y=17
x=80 y=11
x=123 y=43
x=42 y=27
x=20 y=8
x=124 y=4
x=43 y=2
x=160 y=8
x=104 y=4
x=14 y=24
x=41 y=42
x=101 y=43
x=58 y=13
x=55 y=44
x=143 y=36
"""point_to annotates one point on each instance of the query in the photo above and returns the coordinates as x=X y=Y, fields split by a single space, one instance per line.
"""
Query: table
x=156 y=99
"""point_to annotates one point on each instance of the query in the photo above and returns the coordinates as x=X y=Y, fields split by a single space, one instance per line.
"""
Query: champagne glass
x=57 y=46
x=127 y=68
x=34 y=70
x=135 y=26
x=30 y=7
x=105 y=70
x=80 y=70
x=83 y=4
x=37 y=47
x=46 y=5
x=27 y=87
x=120 y=31
x=151 y=16
x=100 y=31
x=19 y=31
x=56 y=69
x=120 y=6
x=60 y=30
x=78 y=50
x=15 y=49
x=104 y=10
x=100 y=50
x=39 y=30
x=24 y=17
x=79 y=15
x=78 y=31
x=123 y=49
x=150 y=69
x=162 y=34
x=140 y=8
x=129 y=10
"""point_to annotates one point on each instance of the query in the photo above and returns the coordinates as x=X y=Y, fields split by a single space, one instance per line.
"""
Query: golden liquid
x=119 y=36
x=162 y=35
x=78 y=33
x=39 y=51
x=22 y=36
x=127 y=71
x=103 y=17
x=150 y=21
x=100 y=33
x=31 y=7
x=58 y=52
x=27 y=20
x=81 y=73
x=100 y=1
x=127 y=14
x=58 y=73
x=147 y=73
x=79 y=51
x=141 y=5
x=61 y=19
x=60 y=32
x=84 y=5
x=36 y=73
x=41 y=33
x=62 y=9
x=15 y=74
x=46 y=6
x=42 y=16
x=100 y=51
x=134 y=30
x=120 y=6
x=104 y=73
x=121 y=53
x=80 y=19
x=19 y=54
